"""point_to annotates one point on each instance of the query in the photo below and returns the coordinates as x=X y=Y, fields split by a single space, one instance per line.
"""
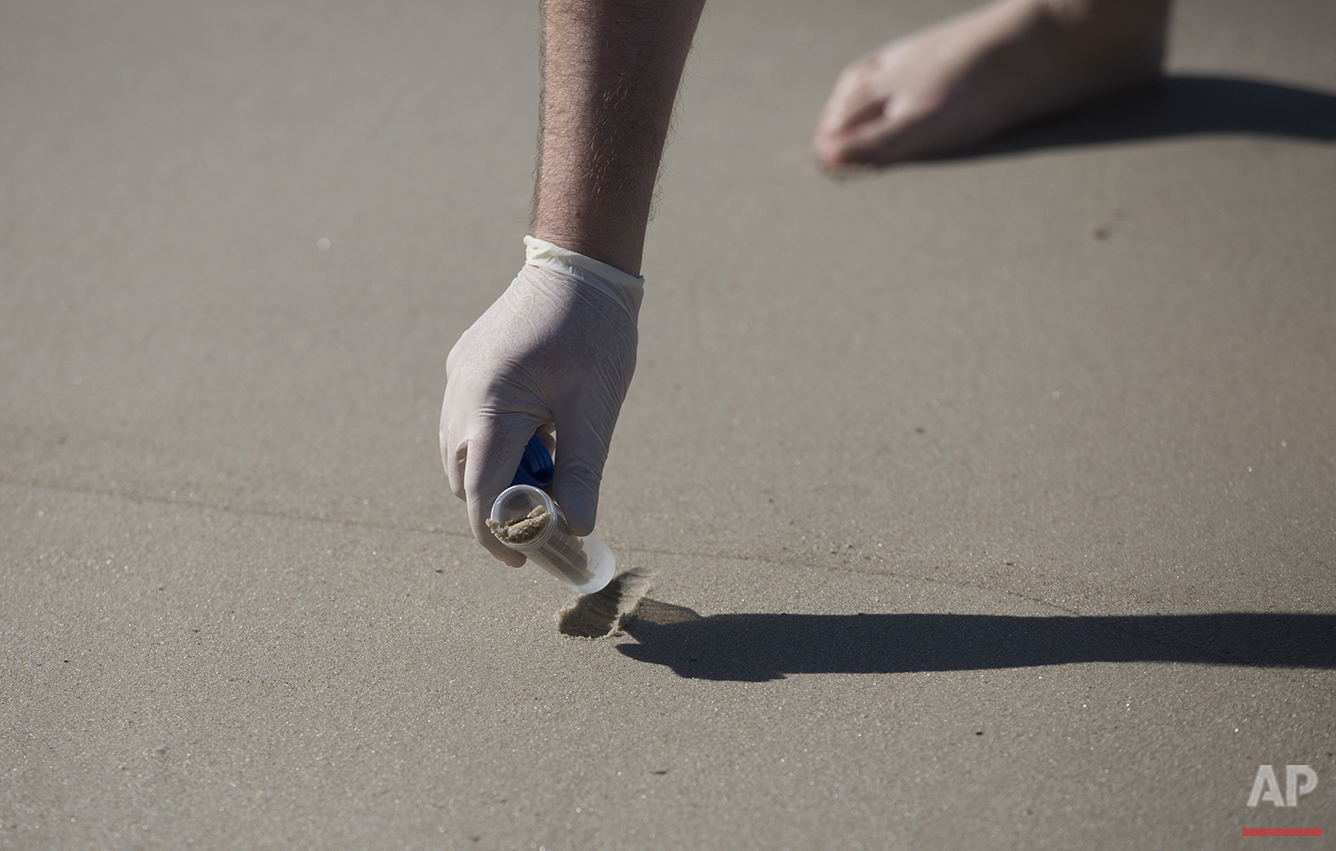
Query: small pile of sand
x=521 y=530
x=604 y=614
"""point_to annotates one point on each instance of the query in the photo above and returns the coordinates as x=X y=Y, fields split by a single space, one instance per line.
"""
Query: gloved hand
x=556 y=350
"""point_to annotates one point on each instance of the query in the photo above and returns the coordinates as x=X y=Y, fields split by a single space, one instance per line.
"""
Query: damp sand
x=522 y=530
x=603 y=614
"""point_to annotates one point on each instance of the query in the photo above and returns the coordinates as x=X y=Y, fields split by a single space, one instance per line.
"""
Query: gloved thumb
x=493 y=454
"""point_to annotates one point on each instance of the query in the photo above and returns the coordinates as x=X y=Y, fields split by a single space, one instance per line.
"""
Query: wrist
x=618 y=246
x=546 y=254
x=622 y=288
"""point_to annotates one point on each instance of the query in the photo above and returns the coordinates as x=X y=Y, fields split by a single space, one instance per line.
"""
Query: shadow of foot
x=1180 y=105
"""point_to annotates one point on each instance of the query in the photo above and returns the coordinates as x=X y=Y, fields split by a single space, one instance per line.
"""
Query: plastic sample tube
x=585 y=564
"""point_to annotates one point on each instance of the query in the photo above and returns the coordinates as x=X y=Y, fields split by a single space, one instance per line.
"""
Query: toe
x=907 y=127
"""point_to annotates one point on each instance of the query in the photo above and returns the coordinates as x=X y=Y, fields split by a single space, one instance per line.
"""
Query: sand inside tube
x=521 y=530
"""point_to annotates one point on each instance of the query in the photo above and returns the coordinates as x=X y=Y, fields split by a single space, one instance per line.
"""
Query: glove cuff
x=609 y=279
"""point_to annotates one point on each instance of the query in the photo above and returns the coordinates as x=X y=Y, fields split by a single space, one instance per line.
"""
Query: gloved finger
x=492 y=455
x=453 y=451
x=582 y=450
x=545 y=434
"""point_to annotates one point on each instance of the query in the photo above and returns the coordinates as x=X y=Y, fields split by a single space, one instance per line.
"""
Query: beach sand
x=990 y=502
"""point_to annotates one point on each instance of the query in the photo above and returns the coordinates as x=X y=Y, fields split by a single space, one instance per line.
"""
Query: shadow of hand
x=758 y=647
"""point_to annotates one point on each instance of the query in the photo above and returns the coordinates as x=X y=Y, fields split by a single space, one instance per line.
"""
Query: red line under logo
x=1282 y=831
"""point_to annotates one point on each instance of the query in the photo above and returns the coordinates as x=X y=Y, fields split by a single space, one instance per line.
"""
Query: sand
x=522 y=530
x=603 y=614
x=1080 y=488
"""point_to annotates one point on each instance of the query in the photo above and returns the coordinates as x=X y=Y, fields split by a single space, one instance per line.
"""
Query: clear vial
x=585 y=564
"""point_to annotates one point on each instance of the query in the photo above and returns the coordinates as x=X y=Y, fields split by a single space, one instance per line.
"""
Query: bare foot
x=960 y=82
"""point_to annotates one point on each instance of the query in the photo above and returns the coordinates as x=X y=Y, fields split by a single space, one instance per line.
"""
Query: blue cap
x=536 y=465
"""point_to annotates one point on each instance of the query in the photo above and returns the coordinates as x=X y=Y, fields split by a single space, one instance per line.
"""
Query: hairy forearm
x=610 y=74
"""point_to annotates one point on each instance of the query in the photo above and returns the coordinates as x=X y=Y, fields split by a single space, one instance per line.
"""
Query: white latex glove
x=557 y=349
